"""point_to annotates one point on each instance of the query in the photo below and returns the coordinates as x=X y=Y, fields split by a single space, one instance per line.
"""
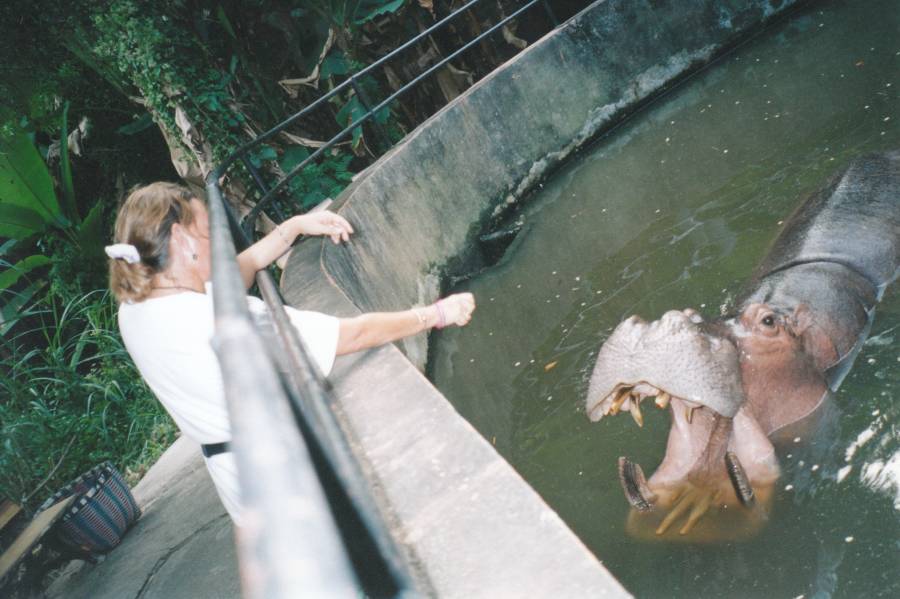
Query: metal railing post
x=309 y=399
x=364 y=100
x=318 y=152
x=312 y=403
x=289 y=544
x=550 y=13
x=260 y=183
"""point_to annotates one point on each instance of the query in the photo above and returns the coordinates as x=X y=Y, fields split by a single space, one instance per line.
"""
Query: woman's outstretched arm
x=377 y=328
x=265 y=251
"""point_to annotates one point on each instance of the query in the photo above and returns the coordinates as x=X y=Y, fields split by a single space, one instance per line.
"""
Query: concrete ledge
x=471 y=526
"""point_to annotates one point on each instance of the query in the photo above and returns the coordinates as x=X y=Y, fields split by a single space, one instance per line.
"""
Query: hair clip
x=123 y=251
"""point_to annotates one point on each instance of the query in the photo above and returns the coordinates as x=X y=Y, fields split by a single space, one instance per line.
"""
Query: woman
x=159 y=272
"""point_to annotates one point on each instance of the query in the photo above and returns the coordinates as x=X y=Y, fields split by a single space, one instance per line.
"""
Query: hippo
x=734 y=384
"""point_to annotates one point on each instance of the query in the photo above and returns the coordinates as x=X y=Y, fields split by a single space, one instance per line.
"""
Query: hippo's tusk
x=697 y=512
x=621 y=396
x=635 y=486
x=662 y=399
x=636 y=411
x=742 y=487
x=684 y=502
x=689 y=414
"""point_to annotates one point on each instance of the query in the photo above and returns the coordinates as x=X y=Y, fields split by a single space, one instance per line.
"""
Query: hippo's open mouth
x=688 y=366
x=676 y=356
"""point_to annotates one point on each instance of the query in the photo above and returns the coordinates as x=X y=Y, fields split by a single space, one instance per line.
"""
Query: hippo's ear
x=816 y=342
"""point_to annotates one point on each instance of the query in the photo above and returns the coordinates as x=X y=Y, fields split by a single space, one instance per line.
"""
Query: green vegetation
x=71 y=398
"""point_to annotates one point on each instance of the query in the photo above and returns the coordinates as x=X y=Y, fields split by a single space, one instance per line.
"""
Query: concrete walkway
x=182 y=547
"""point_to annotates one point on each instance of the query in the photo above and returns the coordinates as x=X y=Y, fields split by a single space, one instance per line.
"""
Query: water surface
x=673 y=209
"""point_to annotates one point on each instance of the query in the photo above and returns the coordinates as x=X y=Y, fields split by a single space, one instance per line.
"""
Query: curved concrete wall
x=471 y=526
x=419 y=206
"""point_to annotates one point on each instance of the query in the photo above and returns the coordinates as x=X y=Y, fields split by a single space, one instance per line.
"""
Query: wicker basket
x=103 y=511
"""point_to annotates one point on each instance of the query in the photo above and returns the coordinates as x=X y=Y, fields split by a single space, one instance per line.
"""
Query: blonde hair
x=145 y=221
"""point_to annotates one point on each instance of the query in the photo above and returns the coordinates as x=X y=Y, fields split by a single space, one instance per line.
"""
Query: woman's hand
x=377 y=328
x=323 y=222
x=280 y=240
x=457 y=308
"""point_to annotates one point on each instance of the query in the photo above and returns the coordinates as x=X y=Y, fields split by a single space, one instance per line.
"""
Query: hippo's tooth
x=694 y=499
x=689 y=413
x=636 y=411
x=684 y=502
x=621 y=395
x=739 y=481
x=662 y=399
x=635 y=486
x=700 y=508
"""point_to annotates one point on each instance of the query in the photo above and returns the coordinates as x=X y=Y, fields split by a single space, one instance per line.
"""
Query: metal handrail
x=308 y=396
x=289 y=541
x=290 y=544
x=241 y=152
x=251 y=217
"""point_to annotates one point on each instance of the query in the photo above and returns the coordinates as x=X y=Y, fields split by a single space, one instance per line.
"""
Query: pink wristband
x=442 y=319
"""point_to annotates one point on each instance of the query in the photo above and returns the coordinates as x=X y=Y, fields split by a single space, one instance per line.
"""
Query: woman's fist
x=456 y=309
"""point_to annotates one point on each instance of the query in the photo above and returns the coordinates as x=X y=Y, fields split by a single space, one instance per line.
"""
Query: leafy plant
x=317 y=181
x=353 y=13
x=29 y=207
x=141 y=46
x=72 y=399
x=28 y=203
x=71 y=396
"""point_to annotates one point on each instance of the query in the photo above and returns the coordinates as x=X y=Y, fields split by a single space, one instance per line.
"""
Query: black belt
x=211 y=449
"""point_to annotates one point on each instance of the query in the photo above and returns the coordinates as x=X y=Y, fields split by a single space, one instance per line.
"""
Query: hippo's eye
x=769 y=321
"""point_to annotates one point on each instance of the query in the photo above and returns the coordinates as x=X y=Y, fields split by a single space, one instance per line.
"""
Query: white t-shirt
x=169 y=340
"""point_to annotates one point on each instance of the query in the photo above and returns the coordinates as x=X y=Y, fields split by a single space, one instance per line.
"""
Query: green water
x=672 y=210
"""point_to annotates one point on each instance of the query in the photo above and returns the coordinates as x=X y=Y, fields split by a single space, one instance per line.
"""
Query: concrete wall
x=422 y=203
x=471 y=526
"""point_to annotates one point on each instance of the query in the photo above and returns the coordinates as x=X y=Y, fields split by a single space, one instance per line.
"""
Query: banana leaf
x=12 y=273
x=18 y=222
x=26 y=183
x=90 y=235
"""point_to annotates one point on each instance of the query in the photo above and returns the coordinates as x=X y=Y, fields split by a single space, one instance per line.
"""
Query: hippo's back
x=854 y=221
